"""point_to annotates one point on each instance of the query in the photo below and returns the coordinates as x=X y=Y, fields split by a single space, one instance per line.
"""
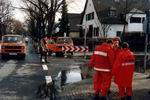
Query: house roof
x=74 y=20
x=103 y=8
x=120 y=4
x=134 y=10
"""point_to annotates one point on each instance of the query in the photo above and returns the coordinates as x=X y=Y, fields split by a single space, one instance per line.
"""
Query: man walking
x=102 y=61
x=43 y=49
x=123 y=69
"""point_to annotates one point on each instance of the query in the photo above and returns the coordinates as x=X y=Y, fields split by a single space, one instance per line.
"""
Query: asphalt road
x=19 y=79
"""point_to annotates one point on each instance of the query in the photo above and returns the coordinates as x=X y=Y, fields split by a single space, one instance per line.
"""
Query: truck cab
x=56 y=46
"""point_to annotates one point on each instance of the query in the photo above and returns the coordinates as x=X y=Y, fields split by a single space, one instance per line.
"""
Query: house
x=135 y=19
x=108 y=21
x=74 y=21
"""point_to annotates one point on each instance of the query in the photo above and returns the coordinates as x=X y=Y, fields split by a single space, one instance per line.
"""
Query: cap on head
x=116 y=39
x=109 y=41
x=125 y=45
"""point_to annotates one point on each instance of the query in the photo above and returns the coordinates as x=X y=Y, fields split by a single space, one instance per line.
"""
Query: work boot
x=96 y=97
x=129 y=98
x=122 y=98
x=103 y=98
x=109 y=92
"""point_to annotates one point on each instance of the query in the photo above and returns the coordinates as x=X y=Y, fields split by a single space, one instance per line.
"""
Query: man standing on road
x=43 y=49
x=102 y=61
x=123 y=70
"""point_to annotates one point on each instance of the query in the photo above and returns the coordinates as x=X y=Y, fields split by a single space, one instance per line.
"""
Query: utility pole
x=85 y=33
x=85 y=41
x=146 y=37
x=124 y=26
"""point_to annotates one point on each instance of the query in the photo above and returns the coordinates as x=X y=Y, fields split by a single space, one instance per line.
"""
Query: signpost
x=146 y=28
x=84 y=38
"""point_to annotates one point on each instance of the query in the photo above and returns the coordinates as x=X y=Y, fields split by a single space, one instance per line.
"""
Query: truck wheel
x=23 y=56
x=49 y=53
x=3 y=56
x=59 y=54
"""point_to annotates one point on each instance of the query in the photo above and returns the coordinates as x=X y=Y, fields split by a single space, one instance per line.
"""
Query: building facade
x=98 y=21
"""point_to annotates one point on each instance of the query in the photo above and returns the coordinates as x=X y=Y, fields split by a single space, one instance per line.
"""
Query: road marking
x=48 y=79
x=75 y=66
x=43 y=60
x=7 y=69
x=45 y=67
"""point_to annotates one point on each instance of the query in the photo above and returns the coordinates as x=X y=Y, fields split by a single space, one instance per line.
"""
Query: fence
x=137 y=43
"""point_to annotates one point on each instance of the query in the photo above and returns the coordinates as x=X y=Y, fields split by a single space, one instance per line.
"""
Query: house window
x=86 y=17
x=119 y=33
x=96 y=31
x=90 y=32
x=112 y=13
x=143 y=19
x=90 y=16
x=135 y=20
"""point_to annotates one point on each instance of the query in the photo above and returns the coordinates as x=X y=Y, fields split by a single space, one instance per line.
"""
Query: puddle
x=72 y=75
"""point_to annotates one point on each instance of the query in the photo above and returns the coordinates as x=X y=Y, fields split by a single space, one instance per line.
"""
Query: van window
x=12 y=39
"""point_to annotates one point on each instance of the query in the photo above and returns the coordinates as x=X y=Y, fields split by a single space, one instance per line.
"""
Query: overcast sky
x=76 y=7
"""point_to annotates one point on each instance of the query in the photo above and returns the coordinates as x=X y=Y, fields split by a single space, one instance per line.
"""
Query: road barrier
x=75 y=48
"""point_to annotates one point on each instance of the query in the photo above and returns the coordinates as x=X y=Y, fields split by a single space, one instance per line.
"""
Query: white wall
x=112 y=32
x=74 y=34
x=135 y=27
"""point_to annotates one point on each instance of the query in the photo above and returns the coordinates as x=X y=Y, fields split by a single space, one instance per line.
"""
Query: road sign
x=75 y=48
x=145 y=24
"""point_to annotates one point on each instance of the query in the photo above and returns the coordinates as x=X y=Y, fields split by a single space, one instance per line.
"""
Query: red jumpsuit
x=123 y=69
x=102 y=61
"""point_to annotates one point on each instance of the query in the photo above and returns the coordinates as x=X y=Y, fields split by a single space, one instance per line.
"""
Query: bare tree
x=5 y=13
x=105 y=28
x=44 y=13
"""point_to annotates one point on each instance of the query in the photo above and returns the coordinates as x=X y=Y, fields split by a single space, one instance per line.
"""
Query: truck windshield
x=64 y=40
x=12 y=39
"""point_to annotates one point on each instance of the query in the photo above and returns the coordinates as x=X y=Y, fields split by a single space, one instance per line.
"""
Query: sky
x=76 y=7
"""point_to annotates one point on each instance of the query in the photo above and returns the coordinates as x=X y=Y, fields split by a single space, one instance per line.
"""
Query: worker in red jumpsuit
x=102 y=61
x=117 y=49
x=123 y=70
x=117 y=45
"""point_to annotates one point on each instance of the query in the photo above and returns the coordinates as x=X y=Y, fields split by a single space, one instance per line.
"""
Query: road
x=20 y=79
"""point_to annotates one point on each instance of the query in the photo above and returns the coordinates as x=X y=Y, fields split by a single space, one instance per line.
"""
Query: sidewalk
x=83 y=90
x=89 y=54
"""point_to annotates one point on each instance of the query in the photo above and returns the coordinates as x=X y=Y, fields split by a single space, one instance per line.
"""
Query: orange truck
x=56 y=46
x=13 y=45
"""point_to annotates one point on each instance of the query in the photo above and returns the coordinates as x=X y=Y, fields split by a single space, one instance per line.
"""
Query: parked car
x=13 y=45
